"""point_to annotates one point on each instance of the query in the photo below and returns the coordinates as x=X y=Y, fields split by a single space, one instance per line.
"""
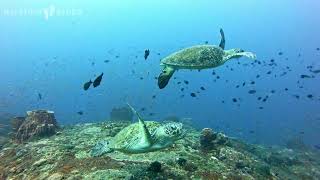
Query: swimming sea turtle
x=140 y=137
x=198 y=57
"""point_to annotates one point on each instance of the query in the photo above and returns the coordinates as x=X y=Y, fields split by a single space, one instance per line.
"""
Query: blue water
x=52 y=54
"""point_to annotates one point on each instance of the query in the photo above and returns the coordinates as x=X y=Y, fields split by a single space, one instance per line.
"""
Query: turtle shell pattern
x=196 y=57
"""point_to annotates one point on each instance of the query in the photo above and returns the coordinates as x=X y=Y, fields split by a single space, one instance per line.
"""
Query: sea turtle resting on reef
x=198 y=57
x=140 y=137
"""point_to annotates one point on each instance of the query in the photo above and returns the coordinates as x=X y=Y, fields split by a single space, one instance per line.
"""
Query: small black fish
x=296 y=96
x=158 y=54
x=151 y=114
x=260 y=107
x=269 y=72
x=206 y=42
x=117 y=56
x=182 y=89
x=141 y=78
x=106 y=61
x=213 y=73
x=252 y=91
x=273 y=91
x=251 y=131
x=316 y=71
x=39 y=96
x=218 y=77
x=237 y=86
x=143 y=109
x=318 y=49
x=222 y=101
x=310 y=96
x=202 y=88
x=252 y=82
x=286 y=89
x=259 y=98
x=93 y=63
x=304 y=76
x=154 y=96
x=186 y=82
x=280 y=53
x=80 y=112
x=234 y=100
x=87 y=85
x=97 y=81
x=244 y=83
x=146 y=54
x=193 y=94
x=179 y=82
x=317 y=146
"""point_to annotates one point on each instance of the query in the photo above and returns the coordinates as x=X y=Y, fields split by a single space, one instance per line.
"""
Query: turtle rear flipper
x=100 y=148
x=165 y=76
x=223 y=40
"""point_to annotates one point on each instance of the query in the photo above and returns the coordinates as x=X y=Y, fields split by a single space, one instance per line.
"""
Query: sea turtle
x=140 y=137
x=198 y=57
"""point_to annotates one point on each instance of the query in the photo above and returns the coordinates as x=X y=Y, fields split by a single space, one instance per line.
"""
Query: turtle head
x=237 y=53
x=172 y=131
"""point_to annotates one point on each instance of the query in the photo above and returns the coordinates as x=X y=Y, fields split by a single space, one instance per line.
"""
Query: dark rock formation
x=16 y=122
x=121 y=114
x=38 y=123
x=207 y=139
x=210 y=140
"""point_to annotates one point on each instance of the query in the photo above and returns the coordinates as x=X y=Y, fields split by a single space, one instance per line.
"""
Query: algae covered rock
x=38 y=123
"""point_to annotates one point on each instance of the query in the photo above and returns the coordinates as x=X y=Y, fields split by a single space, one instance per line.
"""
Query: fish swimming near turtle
x=97 y=81
x=87 y=85
x=141 y=137
x=146 y=54
x=198 y=57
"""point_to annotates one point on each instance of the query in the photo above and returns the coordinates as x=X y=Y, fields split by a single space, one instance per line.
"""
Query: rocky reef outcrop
x=67 y=156
x=121 y=114
x=38 y=123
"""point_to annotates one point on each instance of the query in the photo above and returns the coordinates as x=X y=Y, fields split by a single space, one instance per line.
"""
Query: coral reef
x=66 y=155
x=121 y=114
x=206 y=139
x=296 y=143
x=210 y=140
x=171 y=119
x=38 y=123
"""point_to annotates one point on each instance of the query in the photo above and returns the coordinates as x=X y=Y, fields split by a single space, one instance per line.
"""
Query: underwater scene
x=160 y=90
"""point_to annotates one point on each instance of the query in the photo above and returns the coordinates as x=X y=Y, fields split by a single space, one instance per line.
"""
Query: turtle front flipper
x=100 y=148
x=146 y=140
x=223 y=40
x=165 y=76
